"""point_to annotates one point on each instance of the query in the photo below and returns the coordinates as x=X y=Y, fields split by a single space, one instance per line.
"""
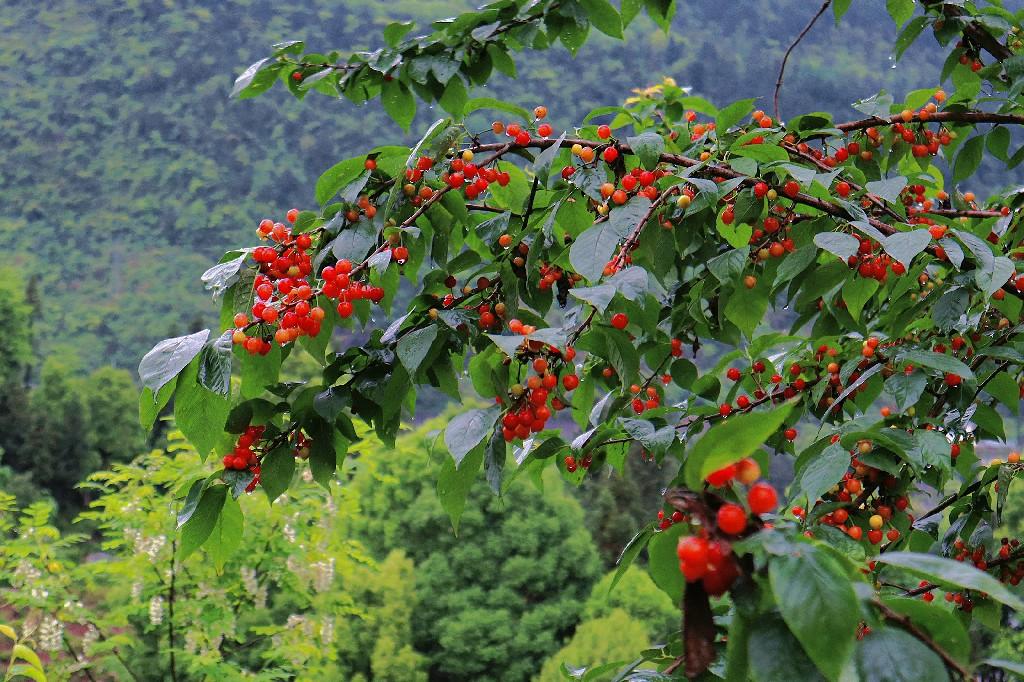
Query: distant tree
x=637 y=595
x=616 y=637
x=496 y=599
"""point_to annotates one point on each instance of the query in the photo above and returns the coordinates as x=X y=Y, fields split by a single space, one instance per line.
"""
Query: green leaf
x=478 y=103
x=167 y=358
x=908 y=35
x=599 y=296
x=276 y=472
x=762 y=153
x=950 y=308
x=226 y=536
x=992 y=280
x=663 y=563
x=794 y=264
x=151 y=405
x=259 y=371
x=414 y=347
x=956 y=573
x=820 y=473
x=604 y=17
x=188 y=507
x=355 y=242
x=396 y=30
x=594 y=248
x=630 y=552
x=648 y=147
x=903 y=246
x=733 y=114
x=337 y=176
x=221 y=276
x=857 y=292
x=215 y=364
x=398 y=102
x=802 y=582
x=23 y=670
x=839 y=8
x=1004 y=388
x=775 y=654
x=323 y=456
x=888 y=189
x=905 y=389
x=455 y=481
x=247 y=76
x=467 y=430
x=455 y=96
x=900 y=10
x=837 y=243
x=542 y=166
x=892 y=655
x=943 y=363
x=746 y=308
x=200 y=524
x=199 y=412
x=732 y=440
x=969 y=158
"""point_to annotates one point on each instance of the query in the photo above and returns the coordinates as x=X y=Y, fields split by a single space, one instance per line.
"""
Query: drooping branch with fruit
x=710 y=288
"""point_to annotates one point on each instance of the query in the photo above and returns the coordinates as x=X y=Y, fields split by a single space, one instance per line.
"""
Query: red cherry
x=733 y=374
x=544 y=130
x=604 y=132
x=292 y=215
x=843 y=189
x=570 y=382
x=790 y=434
x=725 y=409
x=732 y=519
x=620 y=320
x=791 y=188
x=762 y=498
x=722 y=476
x=610 y=154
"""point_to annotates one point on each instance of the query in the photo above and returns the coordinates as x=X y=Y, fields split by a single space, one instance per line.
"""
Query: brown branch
x=789 y=50
x=937 y=117
x=907 y=624
x=826 y=207
x=974 y=31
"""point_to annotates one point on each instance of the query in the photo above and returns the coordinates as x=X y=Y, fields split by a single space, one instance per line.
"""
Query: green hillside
x=126 y=168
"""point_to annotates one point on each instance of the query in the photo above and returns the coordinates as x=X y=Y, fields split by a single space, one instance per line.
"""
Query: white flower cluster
x=137 y=590
x=323 y=574
x=149 y=546
x=156 y=610
x=25 y=573
x=90 y=638
x=249 y=580
x=327 y=630
x=51 y=634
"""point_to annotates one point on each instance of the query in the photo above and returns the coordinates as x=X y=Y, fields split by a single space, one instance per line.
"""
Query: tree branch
x=907 y=624
x=789 y=50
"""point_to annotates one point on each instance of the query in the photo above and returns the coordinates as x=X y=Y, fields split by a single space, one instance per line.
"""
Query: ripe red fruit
x=620 y=320
x=790 y=434
x=345 y=309
x=570 y=382
x=953 y=379
x=760 y=189
x=610 y=154
x=725 y=409
x=544 y=130
x=843 y=189
x=733 y=374
x=791 y=188
x=292 y=215
x=722 y=476
x=604 y=132
x=732 y=519
x=762 y=498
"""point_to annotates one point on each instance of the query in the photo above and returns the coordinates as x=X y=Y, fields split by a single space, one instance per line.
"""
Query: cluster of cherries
x=283 y=290
x=532 y=404
x=872 y=263
x=707 y=556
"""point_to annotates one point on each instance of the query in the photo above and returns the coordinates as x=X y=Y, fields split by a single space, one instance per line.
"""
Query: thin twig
x=785 y=57
x=907 y=624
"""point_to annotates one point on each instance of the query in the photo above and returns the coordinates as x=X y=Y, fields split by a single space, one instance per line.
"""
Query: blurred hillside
x=126 y=169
